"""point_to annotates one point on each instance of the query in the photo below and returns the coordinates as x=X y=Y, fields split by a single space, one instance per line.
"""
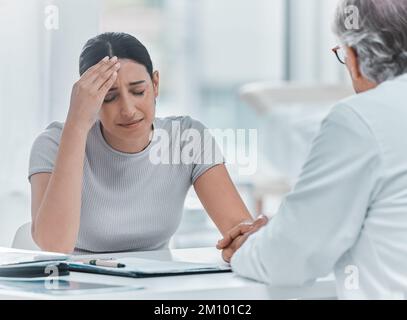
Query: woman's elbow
x=45 y=243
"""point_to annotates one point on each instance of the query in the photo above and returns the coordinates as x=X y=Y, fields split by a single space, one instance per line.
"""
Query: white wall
x=241 y=40
x=37 y=71
x=311 y=40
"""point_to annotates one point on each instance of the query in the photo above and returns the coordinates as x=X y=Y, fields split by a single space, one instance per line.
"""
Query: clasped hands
x=235 y=237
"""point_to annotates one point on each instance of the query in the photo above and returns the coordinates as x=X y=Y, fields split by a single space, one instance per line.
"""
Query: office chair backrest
x=23 y=238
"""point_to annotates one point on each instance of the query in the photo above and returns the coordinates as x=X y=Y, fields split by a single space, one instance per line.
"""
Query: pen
x=104 y=263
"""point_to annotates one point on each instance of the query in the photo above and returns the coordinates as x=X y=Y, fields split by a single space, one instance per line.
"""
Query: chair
x=23 y=238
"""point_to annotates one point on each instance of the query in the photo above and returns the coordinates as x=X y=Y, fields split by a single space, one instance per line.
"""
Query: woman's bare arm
x=221 y=200
x=56 y=197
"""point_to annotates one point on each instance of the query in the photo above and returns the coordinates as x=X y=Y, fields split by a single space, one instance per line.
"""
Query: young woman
x=94 y=185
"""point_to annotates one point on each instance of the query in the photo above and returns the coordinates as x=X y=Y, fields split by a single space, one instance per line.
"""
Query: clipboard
x=148 y=268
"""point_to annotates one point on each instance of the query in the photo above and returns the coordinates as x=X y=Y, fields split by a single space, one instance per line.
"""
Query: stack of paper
x=10 y=256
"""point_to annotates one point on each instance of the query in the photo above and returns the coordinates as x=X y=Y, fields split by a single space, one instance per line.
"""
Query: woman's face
x=128 y=109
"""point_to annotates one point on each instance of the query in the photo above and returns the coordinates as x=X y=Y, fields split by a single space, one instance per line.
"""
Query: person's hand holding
x=89 y=92
x=235 y=238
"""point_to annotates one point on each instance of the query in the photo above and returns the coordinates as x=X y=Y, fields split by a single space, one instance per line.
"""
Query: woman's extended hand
x=89 y=92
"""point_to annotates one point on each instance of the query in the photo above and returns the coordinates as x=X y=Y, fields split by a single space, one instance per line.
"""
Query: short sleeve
x=199 y=148
x=44 y=150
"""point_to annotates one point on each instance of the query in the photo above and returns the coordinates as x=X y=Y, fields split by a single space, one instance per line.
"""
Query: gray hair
x=380 y=40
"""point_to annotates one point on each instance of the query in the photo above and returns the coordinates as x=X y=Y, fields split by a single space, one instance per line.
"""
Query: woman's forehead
x=131 y=71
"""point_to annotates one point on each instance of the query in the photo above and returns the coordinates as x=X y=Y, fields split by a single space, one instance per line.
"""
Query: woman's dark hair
x=111 y=44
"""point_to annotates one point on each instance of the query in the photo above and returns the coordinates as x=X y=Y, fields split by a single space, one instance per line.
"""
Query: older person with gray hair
x=348 y=211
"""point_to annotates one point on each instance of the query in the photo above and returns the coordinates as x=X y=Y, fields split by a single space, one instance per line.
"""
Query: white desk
x=220 y=286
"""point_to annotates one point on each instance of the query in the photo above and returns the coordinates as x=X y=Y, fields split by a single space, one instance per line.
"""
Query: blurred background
x=240 y=64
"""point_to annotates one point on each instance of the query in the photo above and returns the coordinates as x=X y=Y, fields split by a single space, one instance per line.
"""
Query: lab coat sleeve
x=323 y=215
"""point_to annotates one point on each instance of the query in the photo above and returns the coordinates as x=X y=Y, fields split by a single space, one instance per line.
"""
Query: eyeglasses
x=340 y=54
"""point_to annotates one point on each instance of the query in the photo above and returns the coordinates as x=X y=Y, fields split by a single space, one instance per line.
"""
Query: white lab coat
x=348 y=211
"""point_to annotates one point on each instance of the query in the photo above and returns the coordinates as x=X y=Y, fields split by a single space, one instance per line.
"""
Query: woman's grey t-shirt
x=132 y=201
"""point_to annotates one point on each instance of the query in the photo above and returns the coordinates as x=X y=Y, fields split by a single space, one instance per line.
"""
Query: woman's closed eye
x=138 y=93
x=112 y=97
x=109 y=98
